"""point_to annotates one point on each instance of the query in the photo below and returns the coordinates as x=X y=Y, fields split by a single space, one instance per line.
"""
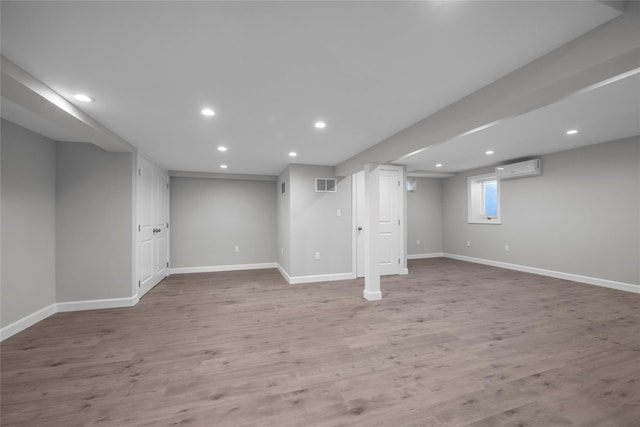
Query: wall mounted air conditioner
x=519 y=170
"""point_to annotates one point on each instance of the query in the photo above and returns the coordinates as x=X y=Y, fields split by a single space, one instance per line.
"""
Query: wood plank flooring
x=451 y=344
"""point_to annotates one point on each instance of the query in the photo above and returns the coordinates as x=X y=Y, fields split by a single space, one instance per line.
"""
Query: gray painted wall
x=93 y=223
x=580 y=217
x=424 y=217
x=315 y=227
x=28 y=223
x=284 y=220
x=209 y=217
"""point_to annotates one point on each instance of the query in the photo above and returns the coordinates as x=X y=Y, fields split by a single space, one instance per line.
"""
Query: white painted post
x=371 y=233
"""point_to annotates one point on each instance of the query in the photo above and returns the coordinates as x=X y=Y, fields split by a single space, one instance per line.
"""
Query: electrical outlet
x=236 y=249
x=317 y=255
x=417 y=242
x=339 y=212
x=468 y=243
x=506 y=248
x=282 y=251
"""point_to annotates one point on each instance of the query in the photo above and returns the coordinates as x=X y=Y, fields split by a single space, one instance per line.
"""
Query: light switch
x=338 y=212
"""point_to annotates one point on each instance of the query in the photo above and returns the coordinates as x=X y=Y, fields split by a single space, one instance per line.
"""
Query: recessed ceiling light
x=320 y=125
x=222 y=148
x=572 y=132
x=439 y=165
x=82 y=97
x=208 y=112
x=488 y=152
x=223 y=166
x=293 y=154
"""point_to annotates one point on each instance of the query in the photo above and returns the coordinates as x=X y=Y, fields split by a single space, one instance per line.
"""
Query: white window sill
x=495 y=221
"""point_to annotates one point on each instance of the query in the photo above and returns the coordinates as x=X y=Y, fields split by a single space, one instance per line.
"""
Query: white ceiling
x=271 y=69
x=603 y=114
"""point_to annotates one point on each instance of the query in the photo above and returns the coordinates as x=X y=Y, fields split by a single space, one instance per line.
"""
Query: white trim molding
x=372 y=296
x=30 y=320
x=284 y=273
x=425 y=256
x=297 y=280
x=628 y=287
x=215 y=268
x=97 y=304
x=50 y=310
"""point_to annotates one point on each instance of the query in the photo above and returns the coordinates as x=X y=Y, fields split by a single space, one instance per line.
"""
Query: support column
x=371 y=233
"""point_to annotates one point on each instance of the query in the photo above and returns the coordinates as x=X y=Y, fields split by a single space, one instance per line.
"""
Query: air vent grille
x=326 y=185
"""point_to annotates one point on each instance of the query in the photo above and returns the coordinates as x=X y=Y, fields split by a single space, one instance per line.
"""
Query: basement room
x=320 y=213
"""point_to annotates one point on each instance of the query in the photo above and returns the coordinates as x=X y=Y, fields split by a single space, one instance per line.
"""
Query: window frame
x=476 y=200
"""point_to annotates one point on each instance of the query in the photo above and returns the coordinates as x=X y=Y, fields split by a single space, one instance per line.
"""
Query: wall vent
x=326 y=185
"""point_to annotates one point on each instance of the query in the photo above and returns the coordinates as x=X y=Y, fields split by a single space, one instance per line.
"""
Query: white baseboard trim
x=372 y=296
x=97 y=304
x=297 y=280
x=284 y=273
x=30 y=320
x=33 y=318
x=404 y=271
x=550 y=273
x=424 y=256
x=215 y=268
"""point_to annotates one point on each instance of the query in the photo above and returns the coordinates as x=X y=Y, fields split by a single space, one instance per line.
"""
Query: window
x=483 y=199
x=410 y=184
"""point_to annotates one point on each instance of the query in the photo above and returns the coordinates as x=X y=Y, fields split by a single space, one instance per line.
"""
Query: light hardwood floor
x=451 y=344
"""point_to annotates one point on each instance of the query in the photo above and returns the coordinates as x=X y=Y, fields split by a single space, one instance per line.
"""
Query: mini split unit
x=519 y=170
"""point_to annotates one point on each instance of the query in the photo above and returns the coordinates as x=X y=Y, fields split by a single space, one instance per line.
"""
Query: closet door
x=153 y=222
x=389 y=226
x=388 y=246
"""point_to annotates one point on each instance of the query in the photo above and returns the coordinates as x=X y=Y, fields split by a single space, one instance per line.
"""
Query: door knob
x=359 y=228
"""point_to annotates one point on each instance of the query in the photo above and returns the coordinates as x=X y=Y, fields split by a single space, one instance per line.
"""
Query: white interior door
x=389 y=240
x=153 y=204
x=358 y=194
x=161 y=262
x=146 y=235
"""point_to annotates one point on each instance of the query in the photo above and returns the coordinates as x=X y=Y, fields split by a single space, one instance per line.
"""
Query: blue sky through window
x=490 y=198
